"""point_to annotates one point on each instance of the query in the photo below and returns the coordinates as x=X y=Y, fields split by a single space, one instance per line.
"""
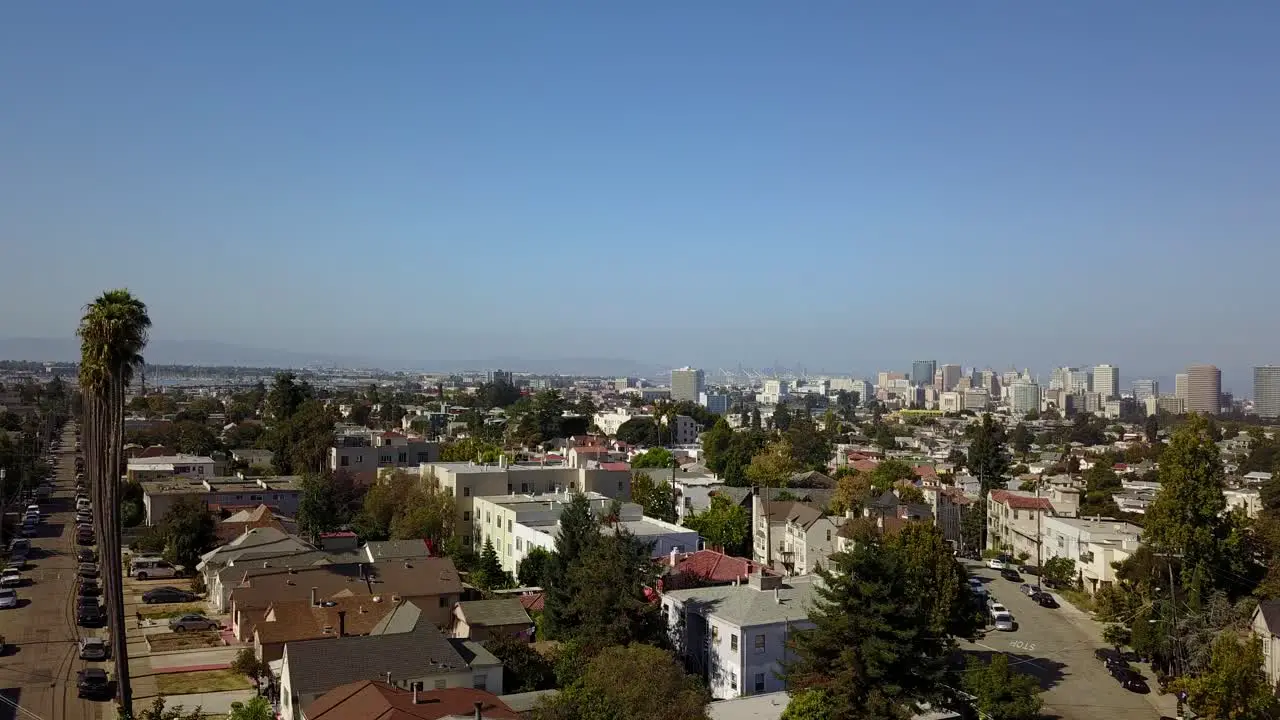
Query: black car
x=89 y=612
x=87 y=570
x=93 y=683
x=1011 y=575
x=1112 y=659
x=86 y=555
x=1045 y=600
x=88 y=588
x=1130 y=680
x=84 y=537
x=167 y=595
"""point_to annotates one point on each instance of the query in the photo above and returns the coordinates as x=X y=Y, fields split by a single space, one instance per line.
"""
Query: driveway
x=1056 y=647
x=38 y=672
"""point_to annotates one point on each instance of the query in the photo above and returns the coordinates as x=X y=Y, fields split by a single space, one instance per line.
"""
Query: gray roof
x=741 y=495
x=526 y=701
x=400 y=620
x=492 y=613
x=768 y=706
x=1270 y=610
x=396 y=550
x=474 y=654
x=318 y=666
x=745 y=606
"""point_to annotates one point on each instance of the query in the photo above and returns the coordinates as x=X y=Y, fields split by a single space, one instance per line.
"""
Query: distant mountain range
x=168 y=352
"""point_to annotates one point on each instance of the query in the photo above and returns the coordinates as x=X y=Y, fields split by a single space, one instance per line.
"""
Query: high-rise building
x=1180 y=385
x=1266 y=391
x=1106 y=381
x=1024 y=397
x=1059 y=379
x=1145 y=388
x=885 y=378
x=494 y=376
x=950 y=376
x=717 y=403
x=922 y=371
x=1079 y=381
x=687 y=384
x=1204 y=389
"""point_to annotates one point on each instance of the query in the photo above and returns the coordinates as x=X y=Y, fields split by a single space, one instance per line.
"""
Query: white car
x=996 y=563
x=996 y=608
x=8 y=599
x=10 y=577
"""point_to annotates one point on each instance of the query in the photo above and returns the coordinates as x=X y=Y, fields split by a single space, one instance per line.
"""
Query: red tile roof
x=615 y=466
x=533 y=602
x=1021 y=502
x=373 y=700
x=925 y=471
x=864 y=465
x=713 y=567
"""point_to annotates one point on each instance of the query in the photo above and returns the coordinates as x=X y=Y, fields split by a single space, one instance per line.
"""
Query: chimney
x=777 y=596
x=673 y=557
x=342 y=623
x=315 y=597
x=479 y=706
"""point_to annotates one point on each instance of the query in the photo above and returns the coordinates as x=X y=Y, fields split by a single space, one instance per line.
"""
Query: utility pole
x=1039 y=533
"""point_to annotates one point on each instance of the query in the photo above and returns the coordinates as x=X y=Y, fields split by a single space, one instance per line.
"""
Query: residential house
x=693 y=490
x=516 y=524
x=218 y=494
x=467 y=481
x=811 y=537
x=376 y=700
x=371 y=451
x=254 y=542
x=769 y=528
x=1095 y=545
x=736 y=636
x=1247 y=499
x=144 y=469
x=419 y=657
x=481 y=620
x=298 y=620
x=948 y=505
x=706 y=567
x=1013 y=521
x=261 y=517
x=1266 y=625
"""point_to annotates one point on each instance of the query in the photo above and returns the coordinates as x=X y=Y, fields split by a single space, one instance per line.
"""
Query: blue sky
x=851 y=185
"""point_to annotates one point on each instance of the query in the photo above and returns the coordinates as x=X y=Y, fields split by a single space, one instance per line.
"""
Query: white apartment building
x=693 y=492
x=736 y=636
x=976 y=399
x=1247 y=499
x=811 y=537
x=609 y=421
x=1012 y=521
x=468 y=481
x=1094 y=544
x=1164 y=403
x=951 y=401
x=775 y=391
x=1106 y=381
x=516 y=524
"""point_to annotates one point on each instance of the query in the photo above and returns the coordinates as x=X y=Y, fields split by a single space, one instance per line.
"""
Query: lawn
x=201 y=681
x=166 y=642
x=162 y=612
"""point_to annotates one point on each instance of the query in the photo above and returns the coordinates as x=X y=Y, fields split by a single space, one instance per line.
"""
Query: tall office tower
x=950 y=376
x=1266 y=391
x=1145 y=388
x=1060 y=379
x=1024 y=397
x=494 y=376
x=1204 y=389
x=687 y=384
x=937 y=379
x=1106 y=381
x=1180 y=385
x=1079 y=381
x=922 y=371
x=991 y=382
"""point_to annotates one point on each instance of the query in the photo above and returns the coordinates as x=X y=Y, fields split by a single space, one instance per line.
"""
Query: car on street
x=1130 y=680
x=85 y=537
x=88 y=588
x=194 y=621
x=1011 y=575
x=89 y=612
x=1003 y=621
x=87 y=570
x=19 y=544
x=93 y=683
x=1110 y=658
x=997 y=563
x=94 y=649
x=10 y=577
x=33 y=509
x=167 y=595
x=83 y=517
x=86 y=555
x=1045 y=600
x=994 y=607
x=29 y=528
x=144 y=568
x=8 y=598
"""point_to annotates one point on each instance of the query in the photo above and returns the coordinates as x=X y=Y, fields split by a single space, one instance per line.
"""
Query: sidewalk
x=1165 y=704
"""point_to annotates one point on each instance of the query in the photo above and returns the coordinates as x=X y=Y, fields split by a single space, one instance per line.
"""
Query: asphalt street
x=38 y=668
x=1052 y=647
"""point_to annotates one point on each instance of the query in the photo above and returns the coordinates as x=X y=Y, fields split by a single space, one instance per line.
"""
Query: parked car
x=88 y=589
x=8 y=598
x=194 y=621
x=1011 y=575
x=87 y=570
x=1003 y=621
x=33 y=509
x=19 y=544
x=83 y=517
x=94 y=649
x=1045 y=600
x=86 y=555
x=167 y=595
x=93 y=683
x=89 y=612
x=1110 y=658
x=1027 y=589
x=86 y=537
x=997 y=563
x=144 y=568
x=1130 y=680
x=10 y=577
x=29 y=528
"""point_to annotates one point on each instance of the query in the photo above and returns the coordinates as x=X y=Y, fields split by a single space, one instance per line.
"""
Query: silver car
x=183 y=623
x=1003 y=621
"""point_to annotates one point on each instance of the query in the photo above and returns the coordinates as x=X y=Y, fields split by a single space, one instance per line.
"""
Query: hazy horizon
x=848 y=187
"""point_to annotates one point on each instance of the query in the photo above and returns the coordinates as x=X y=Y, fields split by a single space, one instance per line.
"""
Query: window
x=759 y=644
x=415 y=686
x=828 y=535
x=440 y=684
x=466 y=539
x=524 y=487
x=508 y=524
x=422 y=457
x=733 y=641
x=404 y=457
x=509 y=488
x=466 y=515
x=759 y=682
x=488 y=517
x=466 y=492
x=444 y=601
x=518 y=546
x=477 y=682
x=508 y=549
x=384 y=459
x=344 y=461
x=733 y=679
x=1015 y=513
x=359 y=458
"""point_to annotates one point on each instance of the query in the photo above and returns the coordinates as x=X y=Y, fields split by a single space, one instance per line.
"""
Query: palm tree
x=257 y=708
x=113 y=333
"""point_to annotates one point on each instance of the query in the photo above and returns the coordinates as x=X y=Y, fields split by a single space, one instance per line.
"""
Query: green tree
x=246 y=663
x=715 y=445
x=1188 y=513
x=811 y=449
x=320 y=509
x=852 y=492
x=641 y=431
x=772 y=466
x=636 y=682
x=1059 y=572
x=988 y=459
x=469 y=450
x=489 y=575
x=113 y=333
x=195 y=438
x=724 y=524
x=812 y=704
x=300 y=442
x=889 y=473
x=158 y=711
x=535 y=569
x=1235 y=686
x=1116 y=635
x=523 y=668
x=286 y=396
x=579 y=530
x=428 y=514
x=781 y=419
x=607 y=590
x=657 y=498
x=1152 y=428
x=653 y=458
x=935 y=579
x=361 y=413
x=1021 y=439
x=257 y=708
x=1001 y=693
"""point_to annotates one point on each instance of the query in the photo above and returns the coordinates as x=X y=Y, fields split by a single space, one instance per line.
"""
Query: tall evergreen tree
x=578 y=531
x=1188 y=513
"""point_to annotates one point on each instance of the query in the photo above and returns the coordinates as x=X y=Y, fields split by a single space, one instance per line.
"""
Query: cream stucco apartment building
x=467 y=481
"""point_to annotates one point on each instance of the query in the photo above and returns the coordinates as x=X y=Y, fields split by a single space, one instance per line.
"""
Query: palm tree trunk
x=112 y=567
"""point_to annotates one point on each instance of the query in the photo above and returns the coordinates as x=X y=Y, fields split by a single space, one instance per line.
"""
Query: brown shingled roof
x=373 y=700
x=1021 y=502
x=293 y=620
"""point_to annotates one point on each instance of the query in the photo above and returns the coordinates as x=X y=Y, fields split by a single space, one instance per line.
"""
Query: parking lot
x=1057 y=647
